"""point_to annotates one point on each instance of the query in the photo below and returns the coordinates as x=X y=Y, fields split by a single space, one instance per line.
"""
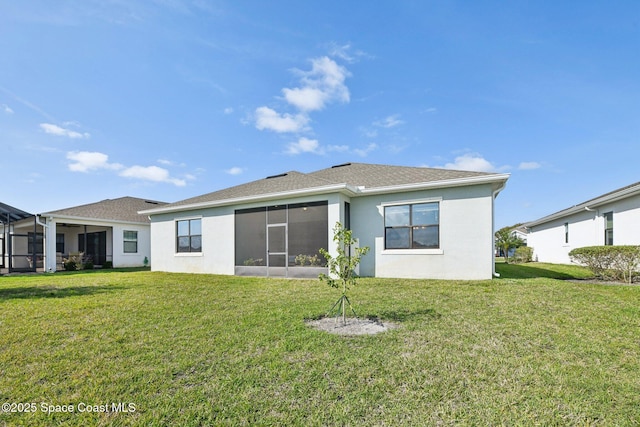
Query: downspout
x=44 y=225
x=493 y=227
x=45 y=228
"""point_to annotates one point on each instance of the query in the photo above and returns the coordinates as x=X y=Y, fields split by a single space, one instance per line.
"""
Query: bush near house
x=609 y=262
x=523 y=254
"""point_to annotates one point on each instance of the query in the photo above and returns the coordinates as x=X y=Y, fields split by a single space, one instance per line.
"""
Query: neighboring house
x=610 y=219
x=16 y=253
x=418 y=222
x=520 y=232
x=111 y=230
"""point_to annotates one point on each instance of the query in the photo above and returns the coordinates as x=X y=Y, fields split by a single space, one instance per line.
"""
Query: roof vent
x=277 y=176
x=151 y=202
x=339 y=166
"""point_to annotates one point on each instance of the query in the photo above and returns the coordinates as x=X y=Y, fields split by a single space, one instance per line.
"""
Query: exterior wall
x=466 y=235
x=218 y=235
x=217 y=256
x=586 y=228
x=122 y=259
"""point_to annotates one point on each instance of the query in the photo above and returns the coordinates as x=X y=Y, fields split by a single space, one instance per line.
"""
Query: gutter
x=343 y=188
x=44 y=225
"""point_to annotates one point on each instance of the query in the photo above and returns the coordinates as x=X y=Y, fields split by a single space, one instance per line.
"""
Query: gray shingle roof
x=372 y=176
x=121 y=209
x=626 y=191
x=352 y=174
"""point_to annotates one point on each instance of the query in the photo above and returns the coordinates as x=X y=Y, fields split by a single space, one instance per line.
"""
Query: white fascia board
x=327 y=189
x=93 y=221
x=500 y=179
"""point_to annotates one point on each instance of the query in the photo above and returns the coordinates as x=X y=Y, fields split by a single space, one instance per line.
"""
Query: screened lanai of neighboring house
x=18 y=249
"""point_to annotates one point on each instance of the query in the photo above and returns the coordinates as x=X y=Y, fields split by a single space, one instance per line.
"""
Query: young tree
x=505 y=240
x=342 y=267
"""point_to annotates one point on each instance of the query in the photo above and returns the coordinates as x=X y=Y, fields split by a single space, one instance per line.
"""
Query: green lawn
x=215 y=350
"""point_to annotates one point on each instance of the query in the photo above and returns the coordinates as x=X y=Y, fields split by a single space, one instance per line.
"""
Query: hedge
x=609 y=262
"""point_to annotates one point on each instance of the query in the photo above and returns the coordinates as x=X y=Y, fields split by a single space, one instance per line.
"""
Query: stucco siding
x=217 y=255
x=218 y=236
x=586 y=228
x=122 y=259
x=465 y=235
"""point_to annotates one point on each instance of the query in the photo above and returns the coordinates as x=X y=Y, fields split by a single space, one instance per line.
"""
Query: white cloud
x=228 y=110
x=344 y=52
x=363 y=152
x=304 y=145
x=234 y=170
x=338 y=148
x=529 y=165
x=6 y=109
x=269 y=119
x=306 y=98
x=320 y=86
x=151 y=173
x=60 y=131
x=85 y=161
x=471 y=162
x=389 y=122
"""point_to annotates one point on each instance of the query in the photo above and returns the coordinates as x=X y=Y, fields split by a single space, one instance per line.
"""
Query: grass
x=215 y=350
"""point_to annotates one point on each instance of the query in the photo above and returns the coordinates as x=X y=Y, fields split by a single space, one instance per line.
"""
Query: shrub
x=107 y=264
x=523 y=254
x=70 y=265
x=609 y=262
x=88 y=265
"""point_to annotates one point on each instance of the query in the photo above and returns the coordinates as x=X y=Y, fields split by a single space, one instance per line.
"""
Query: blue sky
x=170 y=99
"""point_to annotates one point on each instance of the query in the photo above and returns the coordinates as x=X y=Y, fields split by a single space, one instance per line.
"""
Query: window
x=189 y=235
x=566 y=232
x=415 y=226
x=60 y=243
x=130 y=239
x=608 y=228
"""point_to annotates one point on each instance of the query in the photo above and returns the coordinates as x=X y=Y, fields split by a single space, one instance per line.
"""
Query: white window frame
x=434 y=251
x=175 y=235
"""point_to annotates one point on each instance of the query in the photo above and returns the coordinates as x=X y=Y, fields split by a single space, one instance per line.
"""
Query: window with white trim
x=130 y=242
x=608 y=228
x=189 y=235
x=412 y=226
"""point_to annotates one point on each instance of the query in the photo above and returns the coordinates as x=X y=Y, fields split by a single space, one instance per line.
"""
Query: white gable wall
x=466 y=235
x=586 y=228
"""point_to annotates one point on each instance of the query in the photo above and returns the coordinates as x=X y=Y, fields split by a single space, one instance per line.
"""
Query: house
x=109 y=231
x=16 y=250
x=612 y=218
x=418 y=222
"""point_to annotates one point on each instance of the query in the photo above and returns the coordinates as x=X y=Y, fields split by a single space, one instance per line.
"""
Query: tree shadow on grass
x=35 y=292
x=520 y=271
x=403 y=315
